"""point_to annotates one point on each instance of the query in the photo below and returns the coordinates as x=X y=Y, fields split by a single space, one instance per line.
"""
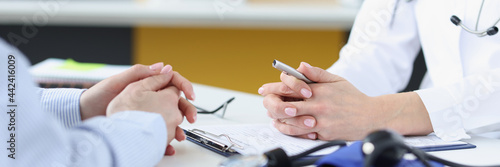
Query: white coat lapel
x=440 y=39
x=453 y=60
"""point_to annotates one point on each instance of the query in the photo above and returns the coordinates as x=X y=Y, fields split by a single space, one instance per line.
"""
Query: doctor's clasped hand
x=333 y=108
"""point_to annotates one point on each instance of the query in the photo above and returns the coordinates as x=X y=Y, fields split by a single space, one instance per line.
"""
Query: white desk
x=245 y=109
x=191 y=13
x=248 y=109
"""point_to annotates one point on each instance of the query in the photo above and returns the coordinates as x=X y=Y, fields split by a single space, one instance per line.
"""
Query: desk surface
x=190 y=13
x=248 y=109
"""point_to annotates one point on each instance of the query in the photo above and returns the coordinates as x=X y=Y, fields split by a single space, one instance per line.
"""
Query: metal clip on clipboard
x=200 y=137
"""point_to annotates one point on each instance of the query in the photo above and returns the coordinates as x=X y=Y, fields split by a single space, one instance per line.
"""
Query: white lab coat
x=461 y=90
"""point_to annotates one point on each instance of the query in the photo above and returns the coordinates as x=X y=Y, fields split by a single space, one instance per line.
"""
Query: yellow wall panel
x=237 y=59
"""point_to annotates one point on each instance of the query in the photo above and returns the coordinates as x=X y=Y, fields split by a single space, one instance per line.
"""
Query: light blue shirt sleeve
x=63 y=103
x=37 y=138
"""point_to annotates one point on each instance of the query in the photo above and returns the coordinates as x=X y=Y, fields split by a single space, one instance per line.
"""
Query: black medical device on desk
x=273 y=158
x=278 y=158
x=382 y=148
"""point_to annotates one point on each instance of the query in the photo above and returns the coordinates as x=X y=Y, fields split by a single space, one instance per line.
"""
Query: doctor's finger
x=277 y=108
x=312 y=136
x=278 y=88
x=290 y=129
x=317 y=74
x=298 y=86
x=303 y=122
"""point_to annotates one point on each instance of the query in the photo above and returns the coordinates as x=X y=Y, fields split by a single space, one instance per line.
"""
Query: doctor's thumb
x=317 y=74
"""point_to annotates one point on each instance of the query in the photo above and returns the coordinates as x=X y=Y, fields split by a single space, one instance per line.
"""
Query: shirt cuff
x=445 y=117
x=64 y=104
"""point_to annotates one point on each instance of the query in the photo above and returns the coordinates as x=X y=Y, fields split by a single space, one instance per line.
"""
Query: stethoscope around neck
x=455 y=20
x=490 y=31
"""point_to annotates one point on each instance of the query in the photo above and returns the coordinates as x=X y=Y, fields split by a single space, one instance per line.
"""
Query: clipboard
x=434 y=143
x=445 y=148
x=208 y=141
x=248 y=139
x=221 y=142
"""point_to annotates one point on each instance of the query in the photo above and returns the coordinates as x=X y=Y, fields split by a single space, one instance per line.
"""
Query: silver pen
x=290 y=71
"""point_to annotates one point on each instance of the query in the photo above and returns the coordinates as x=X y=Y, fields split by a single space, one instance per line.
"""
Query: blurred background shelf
x=224 y=43
x=191 y=13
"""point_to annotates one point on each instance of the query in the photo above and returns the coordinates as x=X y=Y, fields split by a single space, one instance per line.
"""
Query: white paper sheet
x=259 y=138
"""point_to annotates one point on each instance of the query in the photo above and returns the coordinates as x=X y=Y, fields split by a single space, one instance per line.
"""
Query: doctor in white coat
x=460 y=94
